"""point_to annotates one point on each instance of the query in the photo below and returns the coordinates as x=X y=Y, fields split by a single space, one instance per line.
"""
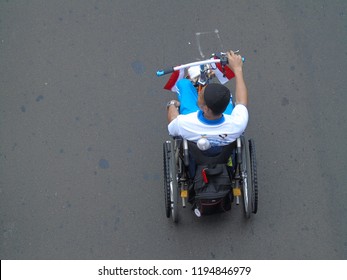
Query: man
x=210 y=120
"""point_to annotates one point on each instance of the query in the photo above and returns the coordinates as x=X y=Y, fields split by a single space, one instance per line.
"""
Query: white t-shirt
x=219 y=132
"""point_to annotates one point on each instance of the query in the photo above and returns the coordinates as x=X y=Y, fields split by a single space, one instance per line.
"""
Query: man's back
x=219 y=132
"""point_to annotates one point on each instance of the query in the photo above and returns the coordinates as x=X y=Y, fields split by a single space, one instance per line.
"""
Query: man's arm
x=235 y=63
x=172 y=110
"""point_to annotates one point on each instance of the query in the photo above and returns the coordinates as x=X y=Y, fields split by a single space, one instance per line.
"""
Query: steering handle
x=169 y=70
x=165 y=71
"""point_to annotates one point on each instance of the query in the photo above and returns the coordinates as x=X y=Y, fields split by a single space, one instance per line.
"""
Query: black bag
x=212 y=187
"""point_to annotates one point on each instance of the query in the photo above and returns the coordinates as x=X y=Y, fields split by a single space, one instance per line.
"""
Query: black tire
x=173 y=184
x=166 y=146
x=254 y=176
x=247 y=179
x=170 y=181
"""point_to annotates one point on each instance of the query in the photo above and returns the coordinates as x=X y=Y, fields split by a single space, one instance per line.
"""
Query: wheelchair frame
x=244 y=182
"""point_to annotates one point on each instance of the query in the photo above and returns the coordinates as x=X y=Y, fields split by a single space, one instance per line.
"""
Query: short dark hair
x=217 y=97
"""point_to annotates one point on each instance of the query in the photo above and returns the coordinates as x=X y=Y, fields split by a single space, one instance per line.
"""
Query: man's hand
x=235 y=62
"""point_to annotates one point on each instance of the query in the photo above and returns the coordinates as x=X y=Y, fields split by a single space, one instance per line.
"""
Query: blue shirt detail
x=209 y=122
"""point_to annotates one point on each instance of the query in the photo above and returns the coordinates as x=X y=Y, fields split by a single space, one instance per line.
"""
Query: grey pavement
x=83 y=119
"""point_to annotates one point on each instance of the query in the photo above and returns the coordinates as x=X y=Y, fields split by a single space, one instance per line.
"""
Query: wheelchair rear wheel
x=246 y=177
x=170 y=181
x=253 y=163
x=166 y=180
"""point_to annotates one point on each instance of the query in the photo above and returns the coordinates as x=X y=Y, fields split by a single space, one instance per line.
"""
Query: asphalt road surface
x=83 y=119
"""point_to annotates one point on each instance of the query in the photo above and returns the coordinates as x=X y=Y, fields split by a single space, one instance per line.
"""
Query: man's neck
x=212 y=117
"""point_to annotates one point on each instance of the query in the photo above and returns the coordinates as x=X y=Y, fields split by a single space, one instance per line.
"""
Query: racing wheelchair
x=209 y=182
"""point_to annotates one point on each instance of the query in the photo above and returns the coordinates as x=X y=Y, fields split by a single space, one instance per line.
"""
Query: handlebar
x=197 y=63
x=163 y=72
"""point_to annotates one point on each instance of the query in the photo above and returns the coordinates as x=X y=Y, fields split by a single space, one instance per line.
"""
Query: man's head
x=216 y=97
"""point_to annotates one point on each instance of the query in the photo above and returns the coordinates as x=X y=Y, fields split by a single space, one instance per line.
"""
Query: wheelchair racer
x=210 y=114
